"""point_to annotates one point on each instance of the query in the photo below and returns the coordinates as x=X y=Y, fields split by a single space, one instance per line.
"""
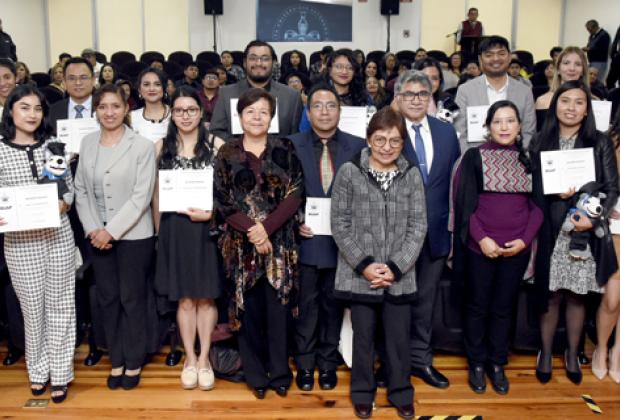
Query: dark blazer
x=446 y=151
x=321 y=250
x=289 y=108
x=59 y=111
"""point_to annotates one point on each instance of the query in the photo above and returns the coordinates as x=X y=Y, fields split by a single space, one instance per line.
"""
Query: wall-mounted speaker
x=390 y=7
x=214 y=7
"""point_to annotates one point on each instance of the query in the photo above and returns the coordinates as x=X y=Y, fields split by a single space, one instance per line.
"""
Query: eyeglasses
x=343 y=67
x=422 y=95
x=82 y=78
x=320 y=106
x=380 y=141
x=191 y=112
x=211 y=77
x=256 y=58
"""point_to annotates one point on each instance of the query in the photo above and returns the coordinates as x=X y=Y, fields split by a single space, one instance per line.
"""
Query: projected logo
x=300 y=24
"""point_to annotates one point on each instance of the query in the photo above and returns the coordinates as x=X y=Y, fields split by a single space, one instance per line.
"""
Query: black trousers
x=428 y=274
x=614 y=72
x=317 y=327
x=121 y=275
x=263 y=338
x=491 y=293
x=396 y=329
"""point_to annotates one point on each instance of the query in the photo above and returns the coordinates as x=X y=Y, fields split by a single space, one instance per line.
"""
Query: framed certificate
x=318 y=215
x=71 y=132
x=182 y=189
x=566 y=169
x=29 y=207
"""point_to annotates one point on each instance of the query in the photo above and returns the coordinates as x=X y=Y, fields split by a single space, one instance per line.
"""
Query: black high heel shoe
x=543 y=377
x=574 y=377
x=59 y=397
x=38 y=391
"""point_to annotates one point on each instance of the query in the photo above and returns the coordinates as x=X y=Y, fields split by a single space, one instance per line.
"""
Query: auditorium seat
x=314 y=57
x=237 y=57
x=173 y=70
x=437 y=55
x=149 y=56
x=285 y=58
x=376 y=56
x=132 y=69
x=210 y=57
x=121 y=57
x=101 y=57
x=406 y=55
x=41 y=79
x=181 y=57
x=526 y=58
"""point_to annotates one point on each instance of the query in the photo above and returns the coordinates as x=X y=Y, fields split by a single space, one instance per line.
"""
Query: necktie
x=420 y=152
x=327 y=170
x=78 y=111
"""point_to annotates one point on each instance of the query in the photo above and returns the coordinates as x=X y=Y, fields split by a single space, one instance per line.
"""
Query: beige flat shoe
x=189 y=377
x=206 y=379
x=599 y=373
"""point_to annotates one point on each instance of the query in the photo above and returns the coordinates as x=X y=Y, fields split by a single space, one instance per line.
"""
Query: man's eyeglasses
x=256 y=58
x=422 y=95
x=320 y=106
x=83 y=78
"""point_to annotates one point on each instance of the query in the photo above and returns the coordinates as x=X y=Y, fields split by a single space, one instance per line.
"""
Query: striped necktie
x=327 y=169
x=78 y=111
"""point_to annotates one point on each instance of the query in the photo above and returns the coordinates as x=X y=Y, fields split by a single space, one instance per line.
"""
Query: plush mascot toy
x=447 y=110
x=588 y=205
x=56 y=167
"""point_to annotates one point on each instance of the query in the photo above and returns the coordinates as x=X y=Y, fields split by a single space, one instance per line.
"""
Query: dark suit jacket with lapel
x=289 y=108
x=321 y=250
x=446 y=151
x=58 y=111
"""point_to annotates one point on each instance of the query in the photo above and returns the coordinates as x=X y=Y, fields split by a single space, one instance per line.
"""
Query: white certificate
x=182 y=189
x=614 y=224
x=71 y=132
x=152 y=131
x=318 y=213
x=476 y=131
x=566 y=169
x=353 y=120
x=602 y=114
x=29 y=207
x=235 y=124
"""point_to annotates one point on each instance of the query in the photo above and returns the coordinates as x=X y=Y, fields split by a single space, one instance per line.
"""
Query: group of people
x=391 y=197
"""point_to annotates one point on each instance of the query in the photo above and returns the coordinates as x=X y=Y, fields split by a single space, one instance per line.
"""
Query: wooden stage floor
x=160 y=396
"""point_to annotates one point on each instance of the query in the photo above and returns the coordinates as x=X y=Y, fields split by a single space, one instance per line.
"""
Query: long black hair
x=203 y=151
x=523 y=157
x=549 y=136
x=614 y=129
x=7 y=126
x=431 y=62
x=357 y=91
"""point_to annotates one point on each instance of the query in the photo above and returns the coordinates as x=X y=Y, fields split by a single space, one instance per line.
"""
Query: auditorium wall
x=24 y=20
x=578 y=12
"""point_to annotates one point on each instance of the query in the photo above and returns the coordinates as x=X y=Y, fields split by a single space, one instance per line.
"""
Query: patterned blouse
x=238 y=191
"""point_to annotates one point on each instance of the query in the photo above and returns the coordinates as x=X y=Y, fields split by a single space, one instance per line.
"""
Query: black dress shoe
x=543 y=377
x=498 y=379
x=12 y=357
x=259 y=392
x=328 y=379
x=380 y=377
x=305 y=379
x=406 y=411
x=281 y=390
x=130 y=382
x=93 y=358
x=477 y=381
x=431 y=376
x=363 y=411
x=114 y=382
x=574 y=376
x=58 y=398
x=173 y=358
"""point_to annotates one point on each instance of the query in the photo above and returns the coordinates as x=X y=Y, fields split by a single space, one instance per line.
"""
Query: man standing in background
x=468 y=35
x=7 y=47
x=598 y=47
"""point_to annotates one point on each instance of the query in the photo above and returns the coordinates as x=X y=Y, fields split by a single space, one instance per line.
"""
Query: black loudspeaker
x=390 y=7
x=214 y=7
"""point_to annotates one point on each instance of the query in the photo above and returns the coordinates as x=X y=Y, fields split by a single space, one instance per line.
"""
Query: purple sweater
x=503 y=217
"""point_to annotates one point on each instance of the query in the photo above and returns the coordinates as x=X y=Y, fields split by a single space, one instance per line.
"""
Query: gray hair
x=412 y=76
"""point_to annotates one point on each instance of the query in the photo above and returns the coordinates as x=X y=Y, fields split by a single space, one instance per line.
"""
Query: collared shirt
x=495 y=95
x=427 y=139
x=87 y=112
x=208 y=104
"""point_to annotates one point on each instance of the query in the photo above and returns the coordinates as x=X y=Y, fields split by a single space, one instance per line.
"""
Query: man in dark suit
x=598 y=47
x=434 y=147
x=321 y=151
x=7 y=47
x=258 y=62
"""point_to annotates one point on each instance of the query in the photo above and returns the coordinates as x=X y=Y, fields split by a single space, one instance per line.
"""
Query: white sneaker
x=206 y=378
x=189 y=377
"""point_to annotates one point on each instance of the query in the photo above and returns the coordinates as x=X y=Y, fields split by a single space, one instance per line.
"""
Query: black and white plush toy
x=588 y=205
x=56 y=167
x=447 y=110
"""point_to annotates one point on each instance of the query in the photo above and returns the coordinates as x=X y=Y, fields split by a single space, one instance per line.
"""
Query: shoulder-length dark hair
x=203 y=151
x=357 y=90
x=163 y=79
x=288 y=67
x=114 y=69
x=7 y=126
x=114 y=89
x=549 y=136
x=431 y=62
x=523 y=157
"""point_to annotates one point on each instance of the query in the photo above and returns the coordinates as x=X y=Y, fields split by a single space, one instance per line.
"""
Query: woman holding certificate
x=188 y=270
x=496 y=221
x=114 y=186
x=378 y=220
x=560 y=276
x=259 y=187
x=41 y=262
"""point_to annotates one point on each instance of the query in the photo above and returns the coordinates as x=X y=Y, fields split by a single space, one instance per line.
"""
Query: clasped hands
x=379 y=275
x=258 y=236
x=100 y=239
x=491 y=249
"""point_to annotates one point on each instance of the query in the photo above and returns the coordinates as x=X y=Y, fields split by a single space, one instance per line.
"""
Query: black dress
x=187 y=256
